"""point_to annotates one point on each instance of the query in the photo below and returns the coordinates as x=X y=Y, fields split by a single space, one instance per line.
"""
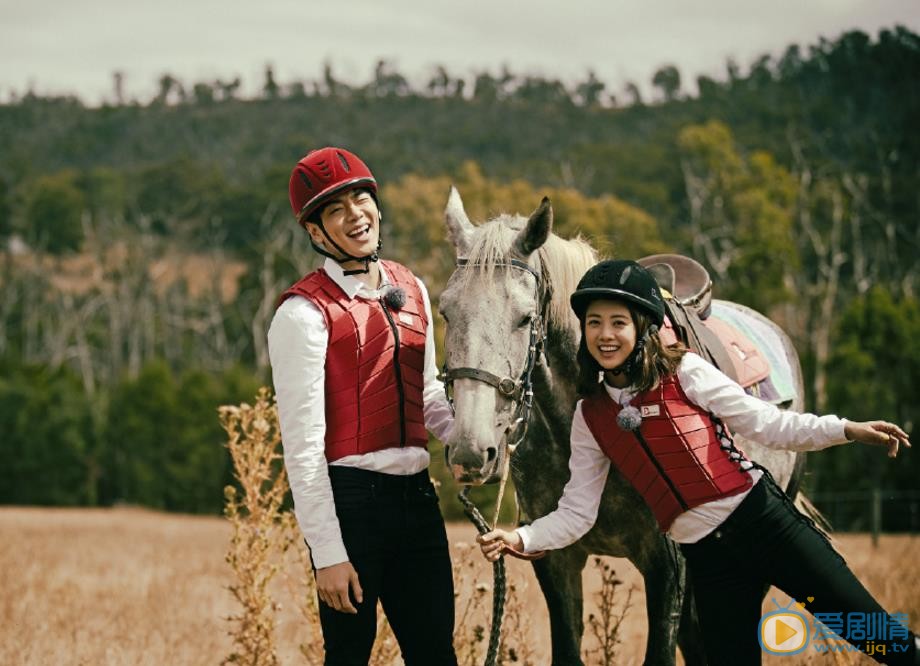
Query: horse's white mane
x=560 y=262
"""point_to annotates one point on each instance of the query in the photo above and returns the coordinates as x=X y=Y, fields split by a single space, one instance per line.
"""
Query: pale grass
x=122 y=586
x=134 y=587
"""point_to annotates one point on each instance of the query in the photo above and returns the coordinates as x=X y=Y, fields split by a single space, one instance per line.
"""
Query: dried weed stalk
x=516 y=645
x=473 y=600
x=605 y=625
x=259 y=533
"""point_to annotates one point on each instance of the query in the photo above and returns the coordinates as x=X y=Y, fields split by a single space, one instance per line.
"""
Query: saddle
x=688 y=299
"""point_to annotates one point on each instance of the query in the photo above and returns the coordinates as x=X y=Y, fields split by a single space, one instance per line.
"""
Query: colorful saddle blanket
x=754 y=348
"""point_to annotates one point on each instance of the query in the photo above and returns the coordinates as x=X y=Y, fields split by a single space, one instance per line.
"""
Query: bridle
x=520 y=392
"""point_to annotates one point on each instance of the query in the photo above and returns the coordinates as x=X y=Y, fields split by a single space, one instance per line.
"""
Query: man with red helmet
x=353 y=364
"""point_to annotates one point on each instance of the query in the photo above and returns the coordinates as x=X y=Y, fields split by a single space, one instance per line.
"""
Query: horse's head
x=495 y=313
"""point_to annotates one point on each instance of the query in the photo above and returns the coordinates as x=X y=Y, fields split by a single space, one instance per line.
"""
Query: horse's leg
x=663 y=570
x=559 y=575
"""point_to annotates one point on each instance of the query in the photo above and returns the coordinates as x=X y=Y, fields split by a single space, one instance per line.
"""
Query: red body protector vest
x=375 y=361
x=680 y=463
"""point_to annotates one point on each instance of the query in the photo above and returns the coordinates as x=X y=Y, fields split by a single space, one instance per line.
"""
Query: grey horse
x=513 y=280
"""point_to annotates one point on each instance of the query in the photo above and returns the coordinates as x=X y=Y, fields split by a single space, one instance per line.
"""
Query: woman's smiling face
x=610 y=333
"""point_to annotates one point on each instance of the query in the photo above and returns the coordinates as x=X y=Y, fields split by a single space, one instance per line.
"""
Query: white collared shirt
x=297 y=341
x=714 y=392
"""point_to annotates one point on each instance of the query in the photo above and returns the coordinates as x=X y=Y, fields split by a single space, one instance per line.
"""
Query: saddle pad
x=750 y=366
x=667 y=334
x=766 y=340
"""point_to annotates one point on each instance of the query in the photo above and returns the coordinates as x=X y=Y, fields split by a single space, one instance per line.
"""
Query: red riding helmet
x=323 y=174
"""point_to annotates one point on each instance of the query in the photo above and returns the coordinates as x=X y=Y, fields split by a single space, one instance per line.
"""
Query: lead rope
x=498 y=572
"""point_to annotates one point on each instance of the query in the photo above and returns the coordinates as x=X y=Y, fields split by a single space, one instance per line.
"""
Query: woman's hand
x=494 y=542
x=877 y=433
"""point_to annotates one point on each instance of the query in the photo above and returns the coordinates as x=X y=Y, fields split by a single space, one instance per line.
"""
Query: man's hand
x=333 y=584
x=877 y=433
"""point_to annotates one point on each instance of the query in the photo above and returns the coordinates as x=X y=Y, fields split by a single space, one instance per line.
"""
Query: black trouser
x=766 y=541
x=395 y=538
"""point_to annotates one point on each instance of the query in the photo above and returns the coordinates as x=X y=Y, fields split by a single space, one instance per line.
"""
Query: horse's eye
x=525 y=321
x=443 y=316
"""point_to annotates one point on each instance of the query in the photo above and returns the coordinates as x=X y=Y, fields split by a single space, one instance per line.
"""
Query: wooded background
x=145 y=242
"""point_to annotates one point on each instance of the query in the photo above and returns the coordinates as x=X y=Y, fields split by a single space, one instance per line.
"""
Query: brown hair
x=657 y=360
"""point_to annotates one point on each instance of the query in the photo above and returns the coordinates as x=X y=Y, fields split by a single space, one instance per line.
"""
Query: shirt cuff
x=843 y=432
x=328 y=554
x=526 y=534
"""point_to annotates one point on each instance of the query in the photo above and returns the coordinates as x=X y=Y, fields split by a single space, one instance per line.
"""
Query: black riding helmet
x=619 y=279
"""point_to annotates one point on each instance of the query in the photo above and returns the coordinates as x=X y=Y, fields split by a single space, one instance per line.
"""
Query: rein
x=520 y=392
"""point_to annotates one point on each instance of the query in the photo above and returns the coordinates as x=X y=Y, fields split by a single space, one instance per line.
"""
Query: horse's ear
x=532 y=237
x=459 y=228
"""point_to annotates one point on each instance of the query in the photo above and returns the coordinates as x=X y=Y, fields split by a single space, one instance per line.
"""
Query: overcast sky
x=74 y=47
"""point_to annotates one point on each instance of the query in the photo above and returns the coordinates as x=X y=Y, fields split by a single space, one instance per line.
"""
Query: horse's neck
x=544 y=454
x=554 y=383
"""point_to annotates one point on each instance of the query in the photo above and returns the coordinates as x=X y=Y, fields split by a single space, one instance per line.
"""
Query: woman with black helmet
x=662 y=415
x=353 y=365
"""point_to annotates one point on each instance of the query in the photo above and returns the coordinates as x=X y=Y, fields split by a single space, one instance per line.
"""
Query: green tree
x=203 y=93
x=741 y=214
x=387 y=81
x=590 y=91
x=6 y=217
x=179 y=197
x=54 y=214
x=228 y=89
x=106 y=193
x=142 y=434
x=414 y=223
x=635 y=95
x=49 y=451
x=270 y=89
x=165 y=440
x=874 y=373
x=239 y=216
x=170 y=90
x=439 y=82
x=667 y=80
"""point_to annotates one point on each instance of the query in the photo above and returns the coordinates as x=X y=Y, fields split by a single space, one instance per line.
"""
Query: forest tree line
x=145 y=243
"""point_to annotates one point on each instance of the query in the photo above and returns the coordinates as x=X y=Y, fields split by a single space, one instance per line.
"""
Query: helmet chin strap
x=628 y=367
x=344 y=257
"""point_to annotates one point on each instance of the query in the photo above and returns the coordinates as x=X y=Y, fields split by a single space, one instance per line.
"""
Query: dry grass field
x=128 y=586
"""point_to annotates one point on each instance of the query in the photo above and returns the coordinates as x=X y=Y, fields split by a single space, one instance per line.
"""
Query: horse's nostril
x=490 y=454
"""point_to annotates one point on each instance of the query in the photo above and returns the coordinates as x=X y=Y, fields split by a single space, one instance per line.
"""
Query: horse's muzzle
x=467 y=477
x=473 y=468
